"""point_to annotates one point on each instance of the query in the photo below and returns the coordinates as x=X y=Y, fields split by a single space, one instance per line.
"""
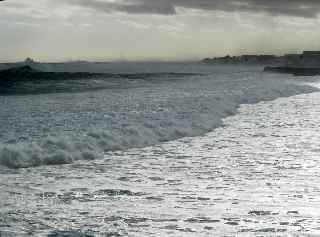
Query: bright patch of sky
x=57 y=30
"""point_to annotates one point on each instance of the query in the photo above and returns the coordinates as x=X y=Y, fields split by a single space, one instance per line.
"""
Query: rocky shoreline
x=297 y=71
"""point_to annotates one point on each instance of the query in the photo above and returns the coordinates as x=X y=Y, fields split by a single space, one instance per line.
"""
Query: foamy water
x=255 y=176
x=59 y=128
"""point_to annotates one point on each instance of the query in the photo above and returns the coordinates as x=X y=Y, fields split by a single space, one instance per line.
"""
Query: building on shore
x=244 y=59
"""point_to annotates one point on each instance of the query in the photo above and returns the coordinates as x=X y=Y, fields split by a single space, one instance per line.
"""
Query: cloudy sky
x=58 y=30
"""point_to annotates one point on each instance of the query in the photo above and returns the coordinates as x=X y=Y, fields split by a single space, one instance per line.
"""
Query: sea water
x=163 y=155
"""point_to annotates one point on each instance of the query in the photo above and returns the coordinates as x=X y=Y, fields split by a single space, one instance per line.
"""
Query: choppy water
x=59 y=128
x=258 y=175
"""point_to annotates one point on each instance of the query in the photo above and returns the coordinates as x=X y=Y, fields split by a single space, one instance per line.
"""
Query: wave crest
x=201 y=119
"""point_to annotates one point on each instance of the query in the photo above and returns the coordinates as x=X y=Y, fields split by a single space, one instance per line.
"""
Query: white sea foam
x=62 y=128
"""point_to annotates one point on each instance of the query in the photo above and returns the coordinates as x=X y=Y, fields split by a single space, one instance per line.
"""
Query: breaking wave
x=191 y=108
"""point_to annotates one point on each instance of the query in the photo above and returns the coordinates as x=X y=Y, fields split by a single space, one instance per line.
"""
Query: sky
x=167 y=30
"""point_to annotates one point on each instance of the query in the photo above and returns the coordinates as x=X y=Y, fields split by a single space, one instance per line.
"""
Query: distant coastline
x=305 y=64
x=306 y=59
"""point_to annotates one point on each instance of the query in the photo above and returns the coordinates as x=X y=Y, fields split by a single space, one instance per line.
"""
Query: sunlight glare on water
x=256 y=176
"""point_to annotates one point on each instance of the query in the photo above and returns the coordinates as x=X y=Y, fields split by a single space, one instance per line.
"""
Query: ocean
x=160 y=149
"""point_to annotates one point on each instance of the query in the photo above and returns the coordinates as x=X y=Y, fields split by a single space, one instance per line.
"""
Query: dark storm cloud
x=302 y=8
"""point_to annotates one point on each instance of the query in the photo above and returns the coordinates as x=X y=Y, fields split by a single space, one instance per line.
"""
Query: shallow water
x=256 y=176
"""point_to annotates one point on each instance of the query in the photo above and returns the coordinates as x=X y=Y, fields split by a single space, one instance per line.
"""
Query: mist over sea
x=158 y=149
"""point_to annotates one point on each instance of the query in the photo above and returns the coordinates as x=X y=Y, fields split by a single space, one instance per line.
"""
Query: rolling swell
x=63 y=129
x=28 y=80
x=27 y=73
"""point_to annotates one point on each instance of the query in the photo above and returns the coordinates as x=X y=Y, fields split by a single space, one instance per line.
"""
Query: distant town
x=305 y=59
